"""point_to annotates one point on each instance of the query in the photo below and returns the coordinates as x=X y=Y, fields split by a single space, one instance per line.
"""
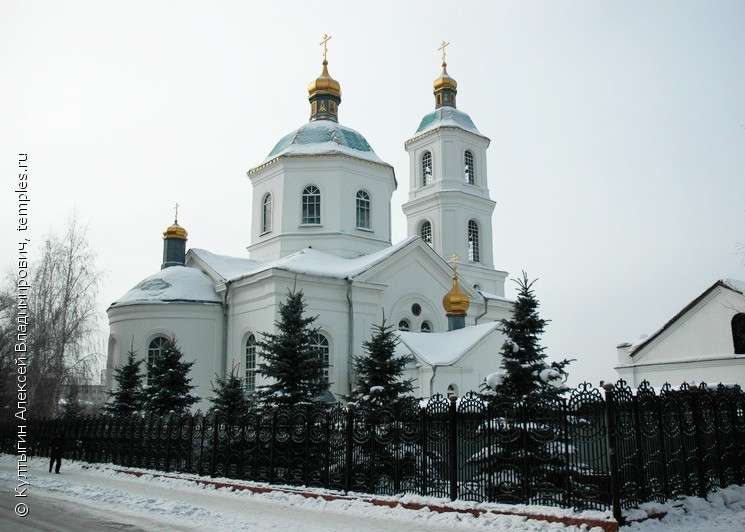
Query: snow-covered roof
x=445 y=348
x=173 y=284
x=447 y=117
x=307 y=261
x=324 y=137
x=730 y=284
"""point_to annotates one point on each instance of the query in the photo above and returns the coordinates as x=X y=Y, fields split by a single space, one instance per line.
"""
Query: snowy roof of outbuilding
x=324 y=137
x=729 y=284
x=444 y=348
x=447 y=117
x=307 y=261
x=169 y=285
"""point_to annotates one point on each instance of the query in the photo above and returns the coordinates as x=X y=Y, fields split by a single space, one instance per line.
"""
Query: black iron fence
x=602 y=450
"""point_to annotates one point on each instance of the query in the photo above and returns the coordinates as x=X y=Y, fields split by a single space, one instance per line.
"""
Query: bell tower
x=449 y=205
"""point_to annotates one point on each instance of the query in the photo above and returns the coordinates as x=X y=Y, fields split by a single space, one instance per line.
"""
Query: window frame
x=363 y=210
x=429 y=238
x=469 y=167
x=152 y=352
x=426 y=164
x=310 y=201
x=474 y=252
x=251 y=350
x=267 y=204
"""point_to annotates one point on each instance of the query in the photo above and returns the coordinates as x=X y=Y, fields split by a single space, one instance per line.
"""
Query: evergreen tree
x=230 y=396
x=127 y=398
x=527 y=461
x=526 y=373
x=71 y=407
x=379 y=371
x=292 y=360
x=170 y=384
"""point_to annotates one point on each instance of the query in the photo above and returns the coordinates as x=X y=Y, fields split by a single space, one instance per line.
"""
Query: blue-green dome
x=324 y=137
x=449 y=117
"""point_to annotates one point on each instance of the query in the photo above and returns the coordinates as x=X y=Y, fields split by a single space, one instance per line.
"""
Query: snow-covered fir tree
x=128 y=396
x=527 y=460
x=170 y=385
x=379 y=370
x=292 y=360
x=525 y=371
x=230 y=396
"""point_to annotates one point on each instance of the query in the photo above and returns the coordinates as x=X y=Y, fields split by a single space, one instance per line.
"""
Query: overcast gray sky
x=618 y=133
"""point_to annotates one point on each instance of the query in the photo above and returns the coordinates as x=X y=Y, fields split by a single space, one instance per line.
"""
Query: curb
x=606 y=526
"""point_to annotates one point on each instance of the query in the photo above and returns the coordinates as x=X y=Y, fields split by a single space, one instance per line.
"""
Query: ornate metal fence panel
x=650 y=455
x=587 y=450
x=627 y=444
x=474 y=451
x=435 y=440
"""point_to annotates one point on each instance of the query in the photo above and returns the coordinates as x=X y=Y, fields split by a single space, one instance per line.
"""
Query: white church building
x=321 y=222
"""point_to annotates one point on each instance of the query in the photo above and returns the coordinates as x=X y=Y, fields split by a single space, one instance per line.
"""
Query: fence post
x=213 y=454
x=348 y=447
x=453 y=448
x=275 y=409
x=615 y=480
x=700 y=458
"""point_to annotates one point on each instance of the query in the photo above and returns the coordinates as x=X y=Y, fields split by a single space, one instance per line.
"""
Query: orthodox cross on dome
x=323 y=42
x=176 y=208
x=442 y=47
x=454 y=259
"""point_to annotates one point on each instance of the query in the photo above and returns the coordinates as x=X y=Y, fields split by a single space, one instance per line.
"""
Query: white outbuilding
x=704 y=342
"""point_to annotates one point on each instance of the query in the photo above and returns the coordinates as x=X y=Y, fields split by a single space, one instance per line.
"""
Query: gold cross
x=177 y=206
x=455 y=258
x=323 y=42
x=443 y=44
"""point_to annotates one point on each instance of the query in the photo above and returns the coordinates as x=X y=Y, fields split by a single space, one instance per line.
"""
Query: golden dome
x=324 y=84
x=456 y=301
x=445 y=81
x=175 y=231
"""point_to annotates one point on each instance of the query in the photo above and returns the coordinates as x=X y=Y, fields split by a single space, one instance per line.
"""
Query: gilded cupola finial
x=456 y=301
x=445 y=87
x=174 y=244
x=324 y=93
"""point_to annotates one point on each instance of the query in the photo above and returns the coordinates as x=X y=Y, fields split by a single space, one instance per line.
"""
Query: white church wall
x=197 y=328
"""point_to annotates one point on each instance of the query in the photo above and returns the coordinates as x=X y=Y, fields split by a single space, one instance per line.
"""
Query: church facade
x=321 y=222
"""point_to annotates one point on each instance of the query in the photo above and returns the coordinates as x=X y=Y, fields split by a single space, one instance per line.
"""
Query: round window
x=416 y=309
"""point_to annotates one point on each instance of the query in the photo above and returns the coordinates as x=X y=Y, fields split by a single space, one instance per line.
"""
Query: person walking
x=57 y=447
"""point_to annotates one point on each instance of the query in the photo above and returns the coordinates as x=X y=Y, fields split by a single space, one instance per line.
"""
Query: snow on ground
x=152 y=502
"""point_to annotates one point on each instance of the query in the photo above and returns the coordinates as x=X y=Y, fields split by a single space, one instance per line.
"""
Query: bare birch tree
x=63 y=318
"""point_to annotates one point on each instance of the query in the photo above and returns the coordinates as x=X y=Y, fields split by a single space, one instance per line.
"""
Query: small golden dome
x=324 y=84
x=175 y=231
x=445 y=81
x=456 y=301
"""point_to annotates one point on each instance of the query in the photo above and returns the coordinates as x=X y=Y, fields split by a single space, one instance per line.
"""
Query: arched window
x=426 y=232
x=363 y=210
x=321 y=344
x=738 y=333
x=470 y=170
x=426 y=327
x=311 y=205
x=250 y=381
x=155 y=350
x=473 y=241
x=404 y=325
x=452 y=390
x=266 y=214
x=426 y=168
